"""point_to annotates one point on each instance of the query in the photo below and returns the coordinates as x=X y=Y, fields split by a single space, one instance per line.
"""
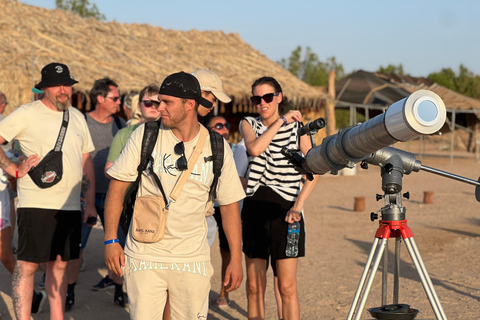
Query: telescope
x=421 y=113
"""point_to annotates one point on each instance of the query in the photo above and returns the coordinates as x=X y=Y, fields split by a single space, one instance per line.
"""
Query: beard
x=174 y=120
x=63 y=105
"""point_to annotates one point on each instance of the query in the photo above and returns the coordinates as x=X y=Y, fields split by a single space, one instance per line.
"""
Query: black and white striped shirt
x=271 y=168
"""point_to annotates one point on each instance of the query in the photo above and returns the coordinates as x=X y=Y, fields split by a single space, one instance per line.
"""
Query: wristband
x=16 y=173
x=284 y=121
x=111 y=241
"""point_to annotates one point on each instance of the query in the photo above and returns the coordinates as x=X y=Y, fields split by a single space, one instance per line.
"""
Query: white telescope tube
x=421 y=113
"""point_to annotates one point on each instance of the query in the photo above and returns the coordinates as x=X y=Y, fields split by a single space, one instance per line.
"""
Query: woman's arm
x=256 y=146
x=294 y=214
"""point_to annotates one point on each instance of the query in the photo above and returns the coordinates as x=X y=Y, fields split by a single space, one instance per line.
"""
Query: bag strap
x=118 y=122
x=148 y=143
x=217 y=144
x=63 y=131
x=191 y=163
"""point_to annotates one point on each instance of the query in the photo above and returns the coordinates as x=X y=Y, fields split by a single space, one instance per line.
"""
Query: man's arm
x=114 y=257
x=88 y=171
x=233 y=230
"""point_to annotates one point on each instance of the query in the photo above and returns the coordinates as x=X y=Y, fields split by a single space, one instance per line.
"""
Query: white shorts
x=187 y=284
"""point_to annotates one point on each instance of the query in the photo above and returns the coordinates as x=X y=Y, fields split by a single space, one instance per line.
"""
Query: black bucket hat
x=55 y=74
x=184 y=85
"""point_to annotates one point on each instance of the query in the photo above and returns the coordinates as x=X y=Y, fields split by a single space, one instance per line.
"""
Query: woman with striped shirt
x=274 y=198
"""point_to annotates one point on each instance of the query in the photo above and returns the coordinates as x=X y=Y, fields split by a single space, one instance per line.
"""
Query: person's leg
x=146 y=288
x=189 y=301
x=6 y=252
x=22 y=288
x=287 y=285
x=56 y=287
x=278 y=298
x=255 y=286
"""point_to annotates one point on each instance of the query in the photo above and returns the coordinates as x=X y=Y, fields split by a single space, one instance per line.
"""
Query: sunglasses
x=179 y=149
x=150 y=103
x=266 y=97
x=114 y=99
x=220 y=126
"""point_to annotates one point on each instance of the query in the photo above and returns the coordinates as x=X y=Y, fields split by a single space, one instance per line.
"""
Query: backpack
x=148 y=143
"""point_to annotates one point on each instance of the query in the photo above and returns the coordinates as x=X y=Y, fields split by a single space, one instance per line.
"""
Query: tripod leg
x=425 y=278
x=376 y=263
x=385 y=276
x=362 y=279
x=396 y=273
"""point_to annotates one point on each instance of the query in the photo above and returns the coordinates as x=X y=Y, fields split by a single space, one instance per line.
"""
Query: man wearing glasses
x=103 y=126
x=180 y=262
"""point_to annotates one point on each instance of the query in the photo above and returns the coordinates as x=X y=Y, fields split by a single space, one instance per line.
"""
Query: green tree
x=81 y=7
x=308 y=67
x=446 y=77
x=392 y=69
x=466 y=82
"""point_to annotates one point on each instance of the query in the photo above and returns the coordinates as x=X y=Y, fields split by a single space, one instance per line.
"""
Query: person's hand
x=114 y=258
x=233 y=276
x=293 y=115
x=90 y=211
x=27 y=165
x=293 y=215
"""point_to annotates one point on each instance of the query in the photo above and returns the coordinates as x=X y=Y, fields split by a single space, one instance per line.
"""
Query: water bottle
x=293 y=235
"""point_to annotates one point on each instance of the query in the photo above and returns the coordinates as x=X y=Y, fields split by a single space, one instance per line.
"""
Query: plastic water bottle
x=293 y=235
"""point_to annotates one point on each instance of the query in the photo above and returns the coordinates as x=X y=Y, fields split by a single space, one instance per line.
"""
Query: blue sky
x=423 y=35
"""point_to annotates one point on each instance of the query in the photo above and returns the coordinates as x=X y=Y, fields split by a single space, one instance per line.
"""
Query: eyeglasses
x=150 y=103
x=114 y=99
x=182 y=163
x=220 y=126
x=266 y=97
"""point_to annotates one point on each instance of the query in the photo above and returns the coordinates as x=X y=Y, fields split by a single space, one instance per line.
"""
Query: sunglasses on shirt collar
x=182 y=163
x=266 y=97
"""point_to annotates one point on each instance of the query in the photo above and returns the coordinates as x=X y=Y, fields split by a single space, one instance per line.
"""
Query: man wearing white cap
x=212 y=90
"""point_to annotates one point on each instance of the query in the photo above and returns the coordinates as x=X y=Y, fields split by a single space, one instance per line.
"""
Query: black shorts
x=264 y=229
x=45 y=233
x=222 y=238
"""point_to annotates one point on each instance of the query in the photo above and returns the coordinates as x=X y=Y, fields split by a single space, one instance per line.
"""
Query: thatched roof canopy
x=131 y=54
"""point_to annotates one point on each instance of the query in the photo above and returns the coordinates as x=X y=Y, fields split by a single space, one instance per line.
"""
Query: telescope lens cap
x=477 y=191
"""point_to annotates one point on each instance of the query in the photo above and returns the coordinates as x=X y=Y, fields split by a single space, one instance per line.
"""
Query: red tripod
x=399 y=230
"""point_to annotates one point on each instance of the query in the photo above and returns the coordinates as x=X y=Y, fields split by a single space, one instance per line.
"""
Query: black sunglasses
x=182 y=163
x=114 y=99
x=266 y=97
x=220 y=126
x=150 y=103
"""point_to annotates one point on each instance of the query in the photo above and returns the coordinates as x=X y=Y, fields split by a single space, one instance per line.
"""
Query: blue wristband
x=284 y=121
x=112 y=241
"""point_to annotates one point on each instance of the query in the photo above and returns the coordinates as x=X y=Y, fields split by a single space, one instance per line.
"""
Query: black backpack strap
x=148 y=143
x=217 y=144
x=118 y=122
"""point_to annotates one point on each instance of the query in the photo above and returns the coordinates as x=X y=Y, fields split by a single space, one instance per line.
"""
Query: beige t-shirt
x=186 y=228
x=36 y=128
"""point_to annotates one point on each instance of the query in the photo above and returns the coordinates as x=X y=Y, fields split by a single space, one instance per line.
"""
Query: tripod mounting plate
x=394 y=312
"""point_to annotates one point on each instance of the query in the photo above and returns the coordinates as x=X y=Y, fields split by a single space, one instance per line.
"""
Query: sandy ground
x=339 y=240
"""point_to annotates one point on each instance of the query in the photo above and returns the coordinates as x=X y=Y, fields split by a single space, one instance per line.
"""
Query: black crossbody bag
x=49 y=171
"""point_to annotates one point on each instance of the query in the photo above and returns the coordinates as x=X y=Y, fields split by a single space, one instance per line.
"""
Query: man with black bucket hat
x=56 y=142
x=178 y=263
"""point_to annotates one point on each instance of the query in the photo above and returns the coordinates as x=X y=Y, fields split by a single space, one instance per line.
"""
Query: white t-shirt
x=36 y=128
x=185 y=238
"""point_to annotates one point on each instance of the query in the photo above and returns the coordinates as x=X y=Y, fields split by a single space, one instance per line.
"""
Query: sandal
x=222 y=303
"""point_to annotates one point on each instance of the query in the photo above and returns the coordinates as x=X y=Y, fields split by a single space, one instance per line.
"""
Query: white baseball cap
x=209 y=81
